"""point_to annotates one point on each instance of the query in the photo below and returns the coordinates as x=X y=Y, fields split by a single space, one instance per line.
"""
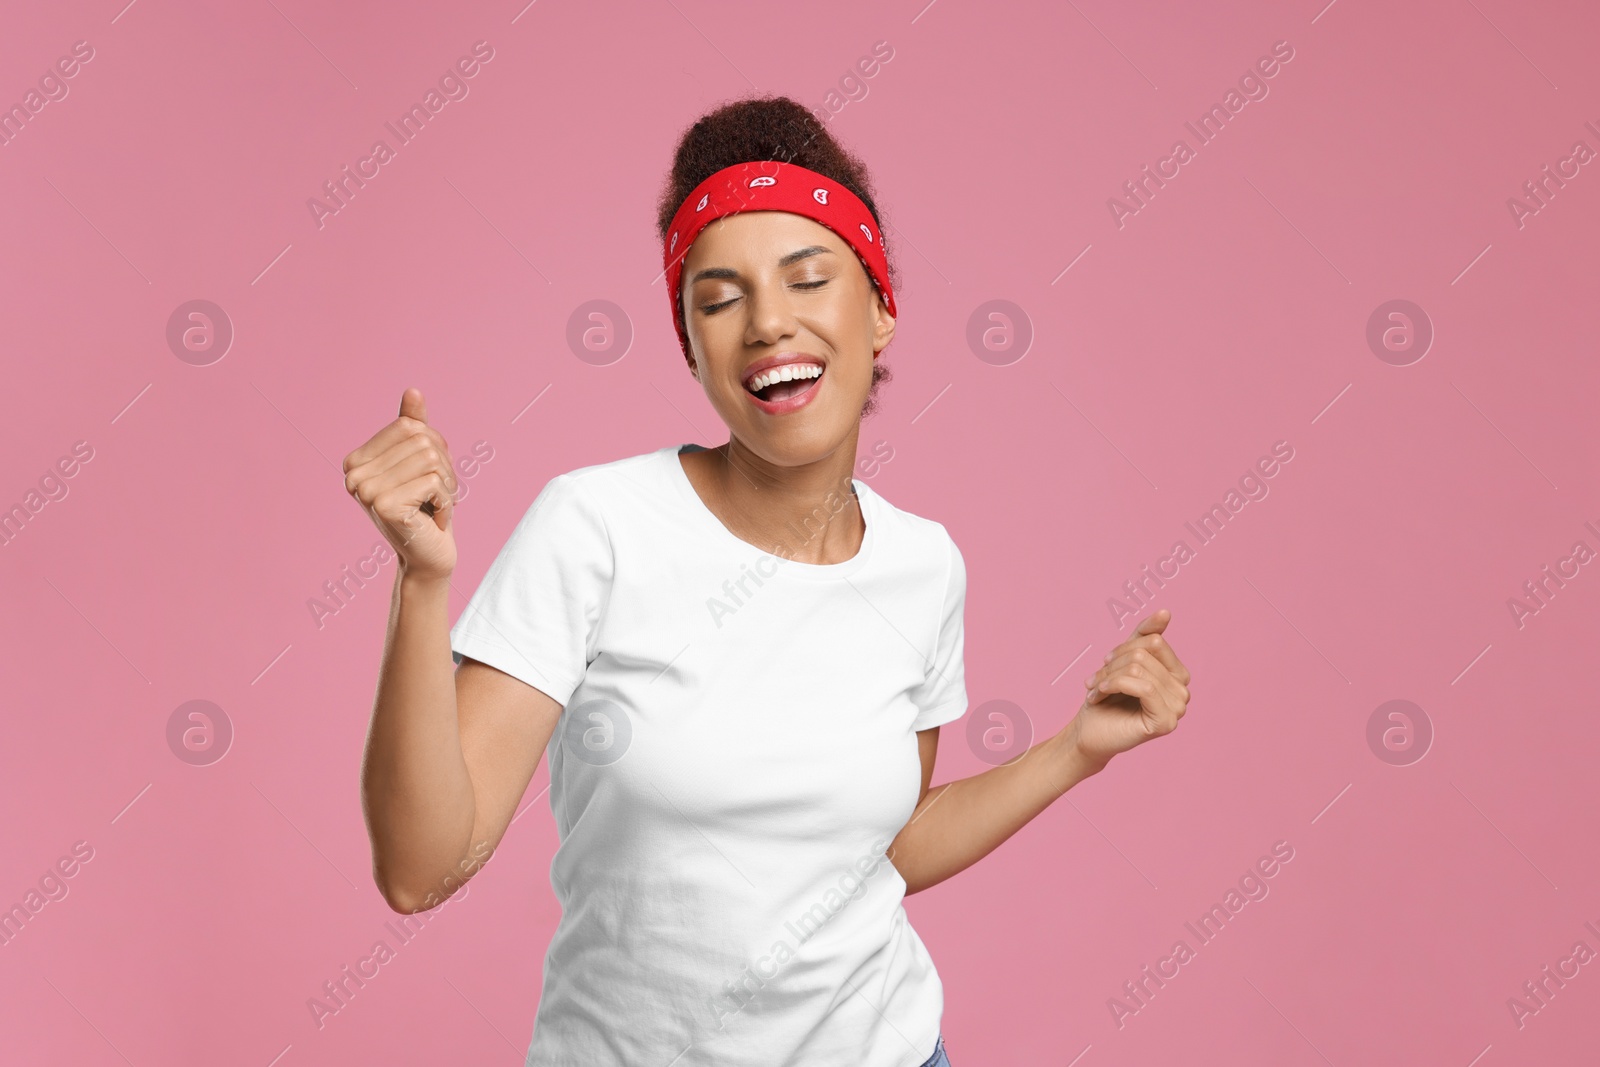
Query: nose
x=771 y=313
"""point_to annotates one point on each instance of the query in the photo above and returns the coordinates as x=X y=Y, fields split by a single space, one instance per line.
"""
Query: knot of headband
x=772 y=185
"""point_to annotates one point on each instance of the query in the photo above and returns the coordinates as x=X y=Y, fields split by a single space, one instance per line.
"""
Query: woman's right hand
x=404 y=479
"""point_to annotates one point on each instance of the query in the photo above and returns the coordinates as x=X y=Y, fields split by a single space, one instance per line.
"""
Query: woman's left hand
x=1141 y=692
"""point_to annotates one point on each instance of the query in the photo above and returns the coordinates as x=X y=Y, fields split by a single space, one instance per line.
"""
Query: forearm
x=416 y=792
x=960 y=822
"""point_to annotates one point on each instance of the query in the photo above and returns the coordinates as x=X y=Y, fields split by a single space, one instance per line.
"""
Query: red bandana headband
x=772 y=185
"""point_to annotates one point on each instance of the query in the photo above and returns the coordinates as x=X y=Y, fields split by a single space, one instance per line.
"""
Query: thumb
x=412 y=405
x=1154 y=623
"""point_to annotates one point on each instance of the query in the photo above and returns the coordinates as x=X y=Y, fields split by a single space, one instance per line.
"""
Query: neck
x=807 y=513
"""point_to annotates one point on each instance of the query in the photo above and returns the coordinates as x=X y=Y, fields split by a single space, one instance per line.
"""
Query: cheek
x=845 y=323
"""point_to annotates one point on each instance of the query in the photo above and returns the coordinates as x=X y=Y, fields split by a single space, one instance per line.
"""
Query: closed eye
x=712 y=309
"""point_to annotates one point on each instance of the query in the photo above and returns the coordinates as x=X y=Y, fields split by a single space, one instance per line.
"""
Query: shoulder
x=609 y=475
x=915 y=533
x=601 y=487
x=584 y=505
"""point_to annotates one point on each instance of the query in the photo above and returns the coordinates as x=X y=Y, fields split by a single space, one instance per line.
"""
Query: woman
x=746 y=654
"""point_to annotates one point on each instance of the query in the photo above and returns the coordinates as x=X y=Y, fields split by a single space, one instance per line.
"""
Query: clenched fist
x=404 y=479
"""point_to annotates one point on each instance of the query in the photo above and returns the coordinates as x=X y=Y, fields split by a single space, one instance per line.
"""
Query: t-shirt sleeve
x=536 y=613
x=942 y=696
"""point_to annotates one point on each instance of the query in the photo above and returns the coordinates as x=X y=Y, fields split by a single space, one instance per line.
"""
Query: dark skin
x=775 y=471
x=449 y=753
x=769 y=295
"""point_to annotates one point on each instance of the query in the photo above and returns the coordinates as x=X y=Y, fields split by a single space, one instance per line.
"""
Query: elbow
x=401 y=898
x=399 y=903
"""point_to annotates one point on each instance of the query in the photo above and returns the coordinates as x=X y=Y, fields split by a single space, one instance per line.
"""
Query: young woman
x=739 y=658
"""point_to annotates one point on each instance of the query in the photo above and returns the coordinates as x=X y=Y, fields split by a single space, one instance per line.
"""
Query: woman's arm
x=1141 y=692
x=960 y=822
x=449 y=752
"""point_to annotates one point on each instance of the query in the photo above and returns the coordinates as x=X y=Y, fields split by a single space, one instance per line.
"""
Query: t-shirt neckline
x=707 y=520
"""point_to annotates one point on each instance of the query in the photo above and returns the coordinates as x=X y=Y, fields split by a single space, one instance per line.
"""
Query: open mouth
x=784 y=383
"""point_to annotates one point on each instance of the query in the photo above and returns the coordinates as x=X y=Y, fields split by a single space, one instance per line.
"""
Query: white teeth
x=784 y=374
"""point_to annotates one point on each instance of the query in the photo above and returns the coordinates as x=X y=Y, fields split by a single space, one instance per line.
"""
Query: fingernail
x=1108 y=658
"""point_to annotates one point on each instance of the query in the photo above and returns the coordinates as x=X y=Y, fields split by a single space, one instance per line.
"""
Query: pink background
x=1229 y=313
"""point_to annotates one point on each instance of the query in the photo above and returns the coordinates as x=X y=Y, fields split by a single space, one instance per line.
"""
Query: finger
x=405 y=501
x=1140 y=686
x=1141 y=656
x=1162 y=649
x=407 y=447
x=1150 y=624
x=1154 y=624
x=368 y=480
x=386 y=438
x=1167 y=693
x=402 y=427
x=413 y=405
x=365 y=474
x=391 y=467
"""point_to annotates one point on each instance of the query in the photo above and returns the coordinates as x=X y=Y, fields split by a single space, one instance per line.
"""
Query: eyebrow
x=793 y=257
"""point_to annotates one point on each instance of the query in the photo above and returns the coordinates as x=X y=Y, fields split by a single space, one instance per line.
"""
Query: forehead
x=757 y=238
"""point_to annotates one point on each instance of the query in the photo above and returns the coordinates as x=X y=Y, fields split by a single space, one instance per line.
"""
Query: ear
x=882 y=326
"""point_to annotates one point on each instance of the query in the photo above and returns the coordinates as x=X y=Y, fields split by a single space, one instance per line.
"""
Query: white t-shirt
x=737 y=748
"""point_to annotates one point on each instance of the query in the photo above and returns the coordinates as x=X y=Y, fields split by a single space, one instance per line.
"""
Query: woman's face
x=765 y=286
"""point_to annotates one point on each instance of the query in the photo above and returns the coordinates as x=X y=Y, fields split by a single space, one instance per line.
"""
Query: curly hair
x=768 y=128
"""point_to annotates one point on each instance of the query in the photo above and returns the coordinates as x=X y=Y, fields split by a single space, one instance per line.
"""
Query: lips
x=793 y=395
x=780 y=359
x=784 y=396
